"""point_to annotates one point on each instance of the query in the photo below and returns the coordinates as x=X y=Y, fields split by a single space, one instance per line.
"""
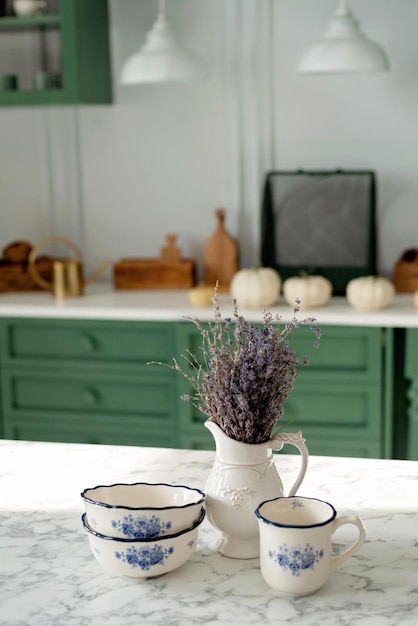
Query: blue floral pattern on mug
x=145 y=556
x=141 y=527
x=297 y=504
x=296 y=559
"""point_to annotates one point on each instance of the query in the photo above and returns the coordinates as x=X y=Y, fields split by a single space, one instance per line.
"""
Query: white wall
x=162 y=158
x=365 y=121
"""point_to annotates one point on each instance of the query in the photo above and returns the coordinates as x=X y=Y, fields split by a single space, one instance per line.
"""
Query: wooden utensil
x=221 y=256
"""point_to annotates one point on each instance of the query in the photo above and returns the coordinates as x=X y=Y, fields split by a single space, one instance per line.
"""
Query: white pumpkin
x=312 y=291
x=370 y=293
x=256 y=287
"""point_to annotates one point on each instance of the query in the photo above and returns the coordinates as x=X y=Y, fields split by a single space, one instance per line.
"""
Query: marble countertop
x=102 y=301
x=48 y=576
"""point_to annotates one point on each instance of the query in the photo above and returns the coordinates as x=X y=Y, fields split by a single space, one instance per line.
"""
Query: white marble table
x=48 y=576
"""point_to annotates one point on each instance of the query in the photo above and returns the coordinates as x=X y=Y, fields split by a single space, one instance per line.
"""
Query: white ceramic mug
x=296 y=543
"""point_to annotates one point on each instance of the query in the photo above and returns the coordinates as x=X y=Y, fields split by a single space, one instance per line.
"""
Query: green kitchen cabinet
x=342 y=401
x=71 y=42
x=88 y=381
x=92 y=381
x=1 y=413
x=411 y=374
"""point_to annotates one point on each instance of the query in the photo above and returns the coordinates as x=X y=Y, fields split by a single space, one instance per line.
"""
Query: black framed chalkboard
x=320 y=222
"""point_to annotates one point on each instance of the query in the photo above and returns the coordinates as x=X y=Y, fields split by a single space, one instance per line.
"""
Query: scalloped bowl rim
x=199 y=492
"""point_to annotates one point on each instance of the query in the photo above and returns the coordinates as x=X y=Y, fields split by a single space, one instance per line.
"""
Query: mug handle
x=295 y=439
x=356 y=521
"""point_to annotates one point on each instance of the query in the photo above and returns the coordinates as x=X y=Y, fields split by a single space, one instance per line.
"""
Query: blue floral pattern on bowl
x=296 y=559
x=145 y=557
x=141 y=527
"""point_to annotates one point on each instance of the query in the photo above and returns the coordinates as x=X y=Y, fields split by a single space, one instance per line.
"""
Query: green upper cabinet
x=67 y=46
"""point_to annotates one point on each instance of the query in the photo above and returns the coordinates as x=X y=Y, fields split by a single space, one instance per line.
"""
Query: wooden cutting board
x=220 y=256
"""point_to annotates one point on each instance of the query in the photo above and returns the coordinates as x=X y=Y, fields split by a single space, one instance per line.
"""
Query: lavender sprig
x=247 y=371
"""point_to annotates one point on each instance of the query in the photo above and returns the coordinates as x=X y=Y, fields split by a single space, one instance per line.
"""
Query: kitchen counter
x=48 y=576
x=101 y=301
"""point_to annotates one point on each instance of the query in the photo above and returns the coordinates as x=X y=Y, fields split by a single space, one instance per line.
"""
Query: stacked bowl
x=142 y=529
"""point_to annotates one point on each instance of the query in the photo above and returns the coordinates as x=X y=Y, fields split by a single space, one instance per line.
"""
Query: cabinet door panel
x=411 y=356
x=411 y=374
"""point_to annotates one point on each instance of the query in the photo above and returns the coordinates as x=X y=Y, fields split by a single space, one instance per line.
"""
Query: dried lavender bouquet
x=246 y=372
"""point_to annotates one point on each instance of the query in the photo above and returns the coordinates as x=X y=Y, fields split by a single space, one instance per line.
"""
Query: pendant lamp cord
x=161 y=8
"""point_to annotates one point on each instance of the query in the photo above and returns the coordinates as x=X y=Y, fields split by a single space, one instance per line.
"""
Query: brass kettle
x=67 y=273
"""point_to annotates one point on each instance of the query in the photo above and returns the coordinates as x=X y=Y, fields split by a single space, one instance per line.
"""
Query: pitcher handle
x=295 y=439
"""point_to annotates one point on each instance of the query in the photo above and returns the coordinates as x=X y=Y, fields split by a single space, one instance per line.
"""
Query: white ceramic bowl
x=26 y=8
x=143 y=558
x=142 y=510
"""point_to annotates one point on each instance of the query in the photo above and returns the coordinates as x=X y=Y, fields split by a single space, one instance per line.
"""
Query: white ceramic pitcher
x=243 y=475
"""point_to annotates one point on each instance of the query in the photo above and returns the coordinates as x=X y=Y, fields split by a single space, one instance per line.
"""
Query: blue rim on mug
x=261 y=517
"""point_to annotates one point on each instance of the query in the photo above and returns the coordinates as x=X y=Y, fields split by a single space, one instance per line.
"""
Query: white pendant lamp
x=343 y=48
x=162 y=58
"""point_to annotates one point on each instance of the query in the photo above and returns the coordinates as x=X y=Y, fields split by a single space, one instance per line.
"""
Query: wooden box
x=14 y=270
x=170 y=271
x=153 y=274
x=15 y=276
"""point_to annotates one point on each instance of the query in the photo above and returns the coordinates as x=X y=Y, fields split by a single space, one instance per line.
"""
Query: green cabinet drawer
x=110 y=430
x=196 y=440
x=148 y=398
x=341 y=409
x=54 y=342
x=84 y=408
x=339 y=446
x=317 y=445
x=347 y=352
